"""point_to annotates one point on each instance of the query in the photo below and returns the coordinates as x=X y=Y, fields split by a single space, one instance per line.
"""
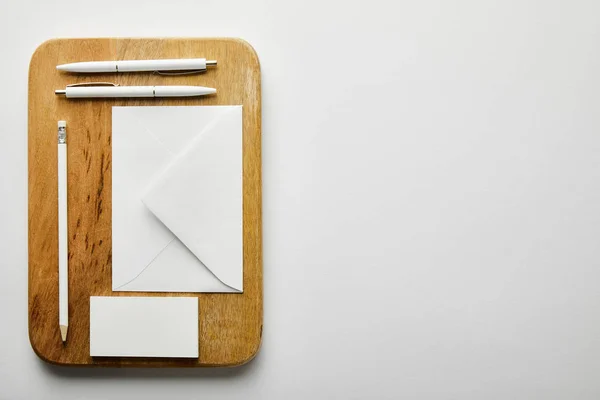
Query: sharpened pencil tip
x=63 y=332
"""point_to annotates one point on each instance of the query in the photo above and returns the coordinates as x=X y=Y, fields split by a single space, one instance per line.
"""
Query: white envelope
x=177 y=199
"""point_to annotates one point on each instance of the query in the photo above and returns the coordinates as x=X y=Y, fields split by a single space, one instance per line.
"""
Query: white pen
x=105 y=89
x=182 y=64
x=63 y=238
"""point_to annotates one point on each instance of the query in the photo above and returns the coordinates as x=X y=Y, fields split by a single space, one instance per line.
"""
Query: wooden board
x=230 y=325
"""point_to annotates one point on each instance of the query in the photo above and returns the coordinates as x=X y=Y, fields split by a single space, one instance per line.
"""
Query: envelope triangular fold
x=176 y=269
x=198 y=197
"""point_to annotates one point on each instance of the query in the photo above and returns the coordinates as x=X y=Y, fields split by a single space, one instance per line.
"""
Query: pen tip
x=60 y=67
x=63 y=332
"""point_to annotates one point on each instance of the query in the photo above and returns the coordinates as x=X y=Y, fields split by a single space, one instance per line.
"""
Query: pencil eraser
x=62 y=124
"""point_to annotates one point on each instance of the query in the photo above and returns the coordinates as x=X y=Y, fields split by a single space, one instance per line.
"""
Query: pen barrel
x=89 y=67
x=184 y=64
x=63 y=248
x=182 y=91
x=110 y=91
x=137 y=91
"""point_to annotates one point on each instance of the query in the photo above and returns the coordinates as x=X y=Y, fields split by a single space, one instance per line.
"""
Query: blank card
x=144 y=326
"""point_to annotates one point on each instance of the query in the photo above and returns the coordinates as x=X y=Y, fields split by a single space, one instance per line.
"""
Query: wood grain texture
x=230 y=325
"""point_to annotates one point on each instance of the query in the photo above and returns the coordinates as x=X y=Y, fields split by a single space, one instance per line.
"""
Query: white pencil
x=63 y=241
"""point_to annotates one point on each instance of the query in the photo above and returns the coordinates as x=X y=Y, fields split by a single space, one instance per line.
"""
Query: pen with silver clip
x=182 y=64
x=106 y=89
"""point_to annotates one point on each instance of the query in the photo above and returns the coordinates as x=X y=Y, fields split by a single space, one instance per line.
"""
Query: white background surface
x=431 y=198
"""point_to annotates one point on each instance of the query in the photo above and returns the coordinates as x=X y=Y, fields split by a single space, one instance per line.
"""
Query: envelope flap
x=199 y=197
